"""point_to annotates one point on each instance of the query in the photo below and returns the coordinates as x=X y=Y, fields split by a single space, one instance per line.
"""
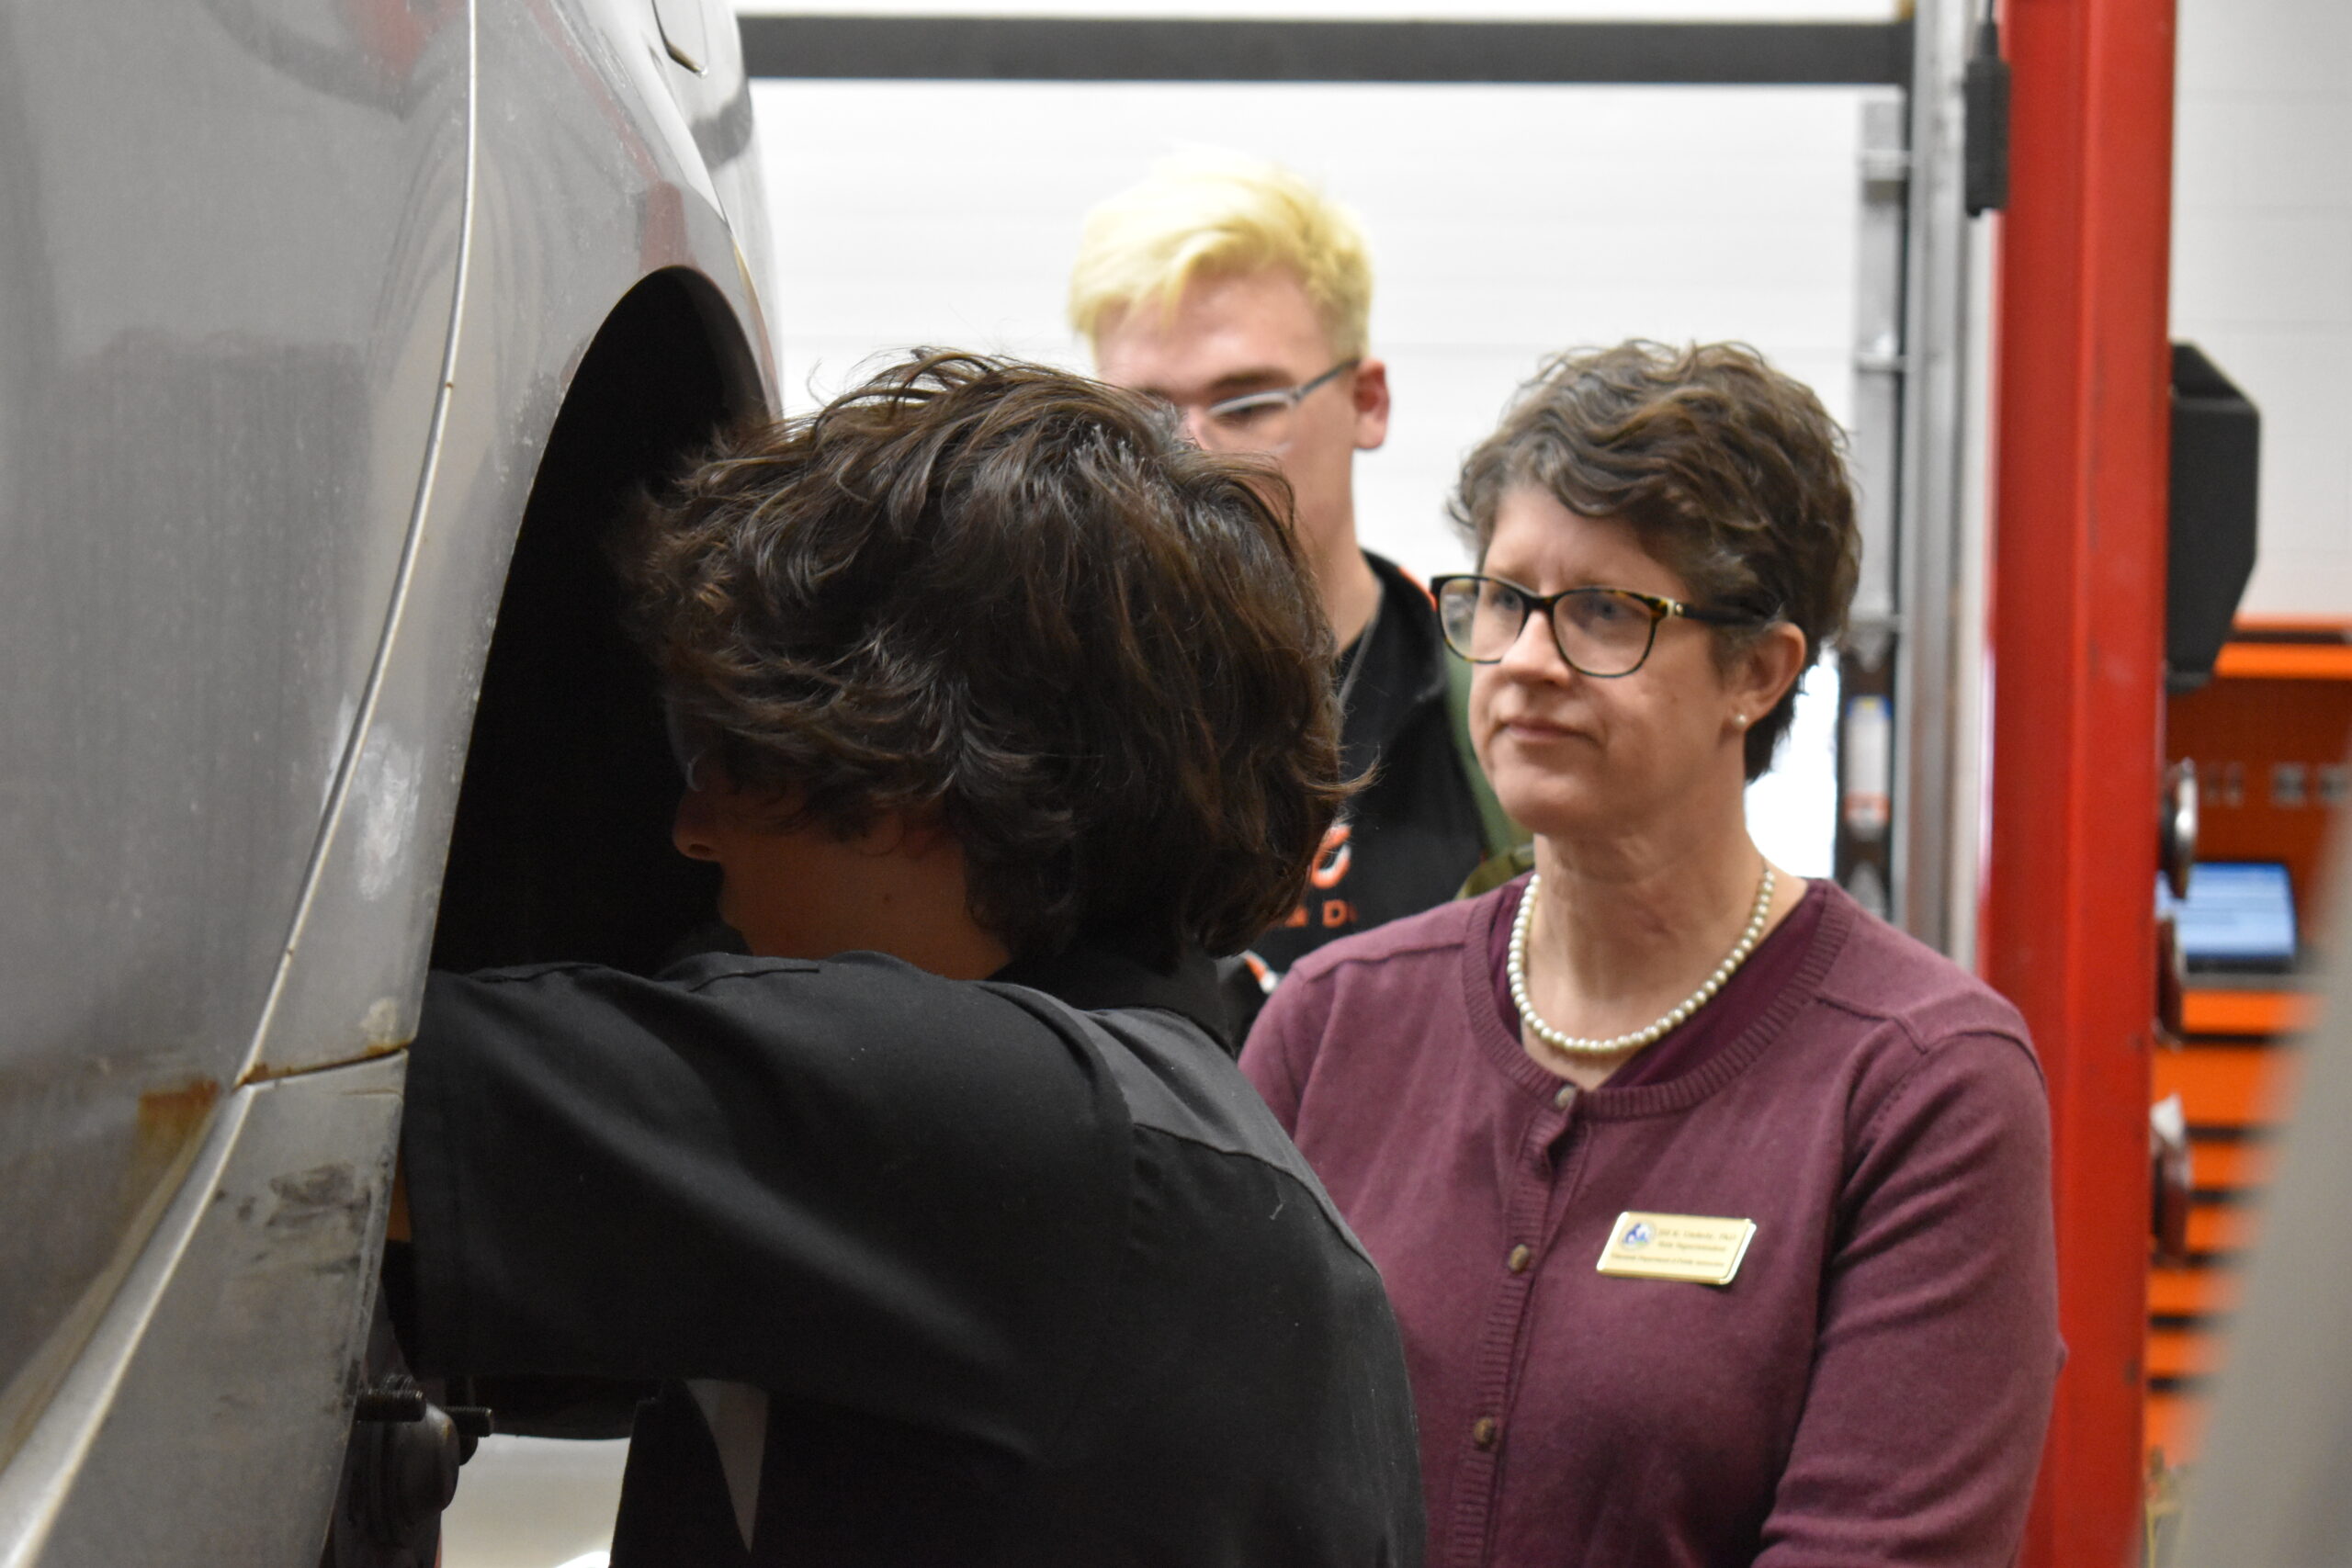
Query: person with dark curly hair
x=1715 y=1211
x=952 y=1234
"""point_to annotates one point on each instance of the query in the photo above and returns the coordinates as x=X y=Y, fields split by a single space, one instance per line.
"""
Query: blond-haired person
x=1239 y=293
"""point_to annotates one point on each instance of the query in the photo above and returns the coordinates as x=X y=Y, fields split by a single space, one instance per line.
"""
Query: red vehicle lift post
x=2081 y=422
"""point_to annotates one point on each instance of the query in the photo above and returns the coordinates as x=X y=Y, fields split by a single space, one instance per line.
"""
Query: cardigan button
x=1567 y=1092
x=1520 y=1256
x=1483 y=1431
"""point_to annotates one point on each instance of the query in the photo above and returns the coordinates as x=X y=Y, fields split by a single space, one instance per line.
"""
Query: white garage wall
x=1504 y=222
x=2262 y=267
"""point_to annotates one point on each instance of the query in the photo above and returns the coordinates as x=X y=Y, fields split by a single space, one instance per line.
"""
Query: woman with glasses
x=1715 y=1211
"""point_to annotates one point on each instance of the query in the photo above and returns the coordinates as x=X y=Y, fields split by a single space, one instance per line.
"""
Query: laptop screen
x=2238 y=915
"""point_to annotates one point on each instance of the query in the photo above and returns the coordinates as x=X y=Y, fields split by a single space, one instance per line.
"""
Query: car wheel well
x=560 y=847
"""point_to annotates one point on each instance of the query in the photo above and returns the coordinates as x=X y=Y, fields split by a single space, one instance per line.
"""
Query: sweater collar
x=1404 y=665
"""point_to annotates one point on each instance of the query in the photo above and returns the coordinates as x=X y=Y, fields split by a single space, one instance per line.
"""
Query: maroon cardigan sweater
x=1871 y=1389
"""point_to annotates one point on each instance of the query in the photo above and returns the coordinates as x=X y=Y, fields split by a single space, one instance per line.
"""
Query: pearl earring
x=1740 y=719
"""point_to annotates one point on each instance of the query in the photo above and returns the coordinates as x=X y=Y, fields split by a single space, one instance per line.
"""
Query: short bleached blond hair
x=1213 y=214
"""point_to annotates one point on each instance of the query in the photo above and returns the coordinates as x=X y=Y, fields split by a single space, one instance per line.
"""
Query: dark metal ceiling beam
x=1055 y=48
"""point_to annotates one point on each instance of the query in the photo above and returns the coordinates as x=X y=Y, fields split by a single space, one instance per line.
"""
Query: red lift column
x=2081 y=431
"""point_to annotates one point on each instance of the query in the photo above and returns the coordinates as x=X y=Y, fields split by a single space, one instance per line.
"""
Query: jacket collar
x=1403 y=666
x=1098 y=976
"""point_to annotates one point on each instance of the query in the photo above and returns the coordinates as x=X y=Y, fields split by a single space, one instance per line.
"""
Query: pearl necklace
x=1572 y=1045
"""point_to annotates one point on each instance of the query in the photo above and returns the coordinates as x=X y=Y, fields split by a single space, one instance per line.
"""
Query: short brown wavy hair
x=1730 y=473
x=1020 y=598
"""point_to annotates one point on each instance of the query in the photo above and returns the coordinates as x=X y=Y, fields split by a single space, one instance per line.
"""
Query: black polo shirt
x=938 y=1272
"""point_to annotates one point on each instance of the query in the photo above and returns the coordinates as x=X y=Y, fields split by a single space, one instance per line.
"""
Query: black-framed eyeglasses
x=1260 y=422
x=1601 y=632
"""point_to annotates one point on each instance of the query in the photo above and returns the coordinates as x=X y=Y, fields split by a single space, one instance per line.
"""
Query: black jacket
x=961 y=1274
x=1415 y=832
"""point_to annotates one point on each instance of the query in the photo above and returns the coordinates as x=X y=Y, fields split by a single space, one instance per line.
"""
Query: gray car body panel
x=208 y=1425
x=291 y=295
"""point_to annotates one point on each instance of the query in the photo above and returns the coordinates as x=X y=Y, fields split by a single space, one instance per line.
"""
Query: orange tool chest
x=2271 y=740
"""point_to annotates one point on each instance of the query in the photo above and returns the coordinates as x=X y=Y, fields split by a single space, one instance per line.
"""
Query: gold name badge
x=1676 y=1246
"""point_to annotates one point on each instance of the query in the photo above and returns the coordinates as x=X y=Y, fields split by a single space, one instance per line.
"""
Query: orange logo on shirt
x=1337 y=856
x=1329 y=871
